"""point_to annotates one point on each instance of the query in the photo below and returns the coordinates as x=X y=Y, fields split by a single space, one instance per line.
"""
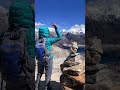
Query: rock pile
x=73 y=77
x=97 y=75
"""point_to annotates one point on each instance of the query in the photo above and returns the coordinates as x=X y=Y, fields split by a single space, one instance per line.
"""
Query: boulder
x=92 y=57
x=72 y=81
x=80 y=79
x=74 y=70
x=106 y=85
x=94 y=68
x=91 y=79
x=89 y=87
x=95 y=45
x=70 y=63
x=66 y=81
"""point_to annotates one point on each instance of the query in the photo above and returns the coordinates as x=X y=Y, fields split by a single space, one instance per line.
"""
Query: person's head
x=44 y=32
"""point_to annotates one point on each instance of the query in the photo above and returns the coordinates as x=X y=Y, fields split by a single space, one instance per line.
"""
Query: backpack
x=41 y=51
x=11 y=50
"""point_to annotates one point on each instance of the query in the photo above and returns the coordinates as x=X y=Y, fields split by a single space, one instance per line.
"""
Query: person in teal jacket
x=47 y=65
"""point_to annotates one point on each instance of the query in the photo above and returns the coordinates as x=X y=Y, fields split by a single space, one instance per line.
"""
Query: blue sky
x=66 y=13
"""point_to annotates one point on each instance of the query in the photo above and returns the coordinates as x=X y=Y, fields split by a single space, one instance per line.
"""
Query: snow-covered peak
x=76 y=29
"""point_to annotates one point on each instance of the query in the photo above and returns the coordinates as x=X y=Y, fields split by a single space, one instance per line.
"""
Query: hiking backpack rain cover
x=11 y=57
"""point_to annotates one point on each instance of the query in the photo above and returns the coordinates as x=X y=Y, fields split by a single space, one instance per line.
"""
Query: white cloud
x=39 y=24
x=76 y=29
x=51 y=29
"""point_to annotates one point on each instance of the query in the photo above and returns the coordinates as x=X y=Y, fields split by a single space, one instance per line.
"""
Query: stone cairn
x=95 y=72
x=73 y=77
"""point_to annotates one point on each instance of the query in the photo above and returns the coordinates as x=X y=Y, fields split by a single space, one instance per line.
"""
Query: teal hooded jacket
x=44 y=32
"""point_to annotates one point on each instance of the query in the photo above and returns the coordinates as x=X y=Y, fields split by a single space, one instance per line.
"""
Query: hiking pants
x=47 y=66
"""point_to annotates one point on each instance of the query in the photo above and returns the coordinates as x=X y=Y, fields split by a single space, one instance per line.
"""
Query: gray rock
x=72 y=81
x=114 y=66
x=78 y=69
x=66 y=81
x=89 y=87
x=92 y=57
x=91 y=79
x=102 y=75
x=70 y=63
x=95 y=45
x=106 y=85
x=94 y=68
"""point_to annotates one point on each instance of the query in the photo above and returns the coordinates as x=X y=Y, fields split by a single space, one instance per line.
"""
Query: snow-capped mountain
x=76 y=29
x=75 y=33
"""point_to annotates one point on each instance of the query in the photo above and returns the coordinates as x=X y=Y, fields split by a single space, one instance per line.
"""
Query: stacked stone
x=73 y=77
x=96 y=73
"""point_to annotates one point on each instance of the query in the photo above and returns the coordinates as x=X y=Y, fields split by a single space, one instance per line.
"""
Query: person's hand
x=54 y=25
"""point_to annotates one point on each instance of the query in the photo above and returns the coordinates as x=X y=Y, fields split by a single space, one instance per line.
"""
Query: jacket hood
x=44 y=32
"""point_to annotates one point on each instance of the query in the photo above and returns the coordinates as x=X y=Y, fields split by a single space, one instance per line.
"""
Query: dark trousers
x=47 y=66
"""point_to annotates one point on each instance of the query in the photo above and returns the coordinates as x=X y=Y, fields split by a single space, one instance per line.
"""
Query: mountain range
x=68 y=37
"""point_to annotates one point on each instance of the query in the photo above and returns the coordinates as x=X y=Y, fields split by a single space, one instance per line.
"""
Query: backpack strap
x=47 y=52
x=44 y=43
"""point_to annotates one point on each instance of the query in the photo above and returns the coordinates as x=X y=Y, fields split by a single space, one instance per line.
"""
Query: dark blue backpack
x=41 y=51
